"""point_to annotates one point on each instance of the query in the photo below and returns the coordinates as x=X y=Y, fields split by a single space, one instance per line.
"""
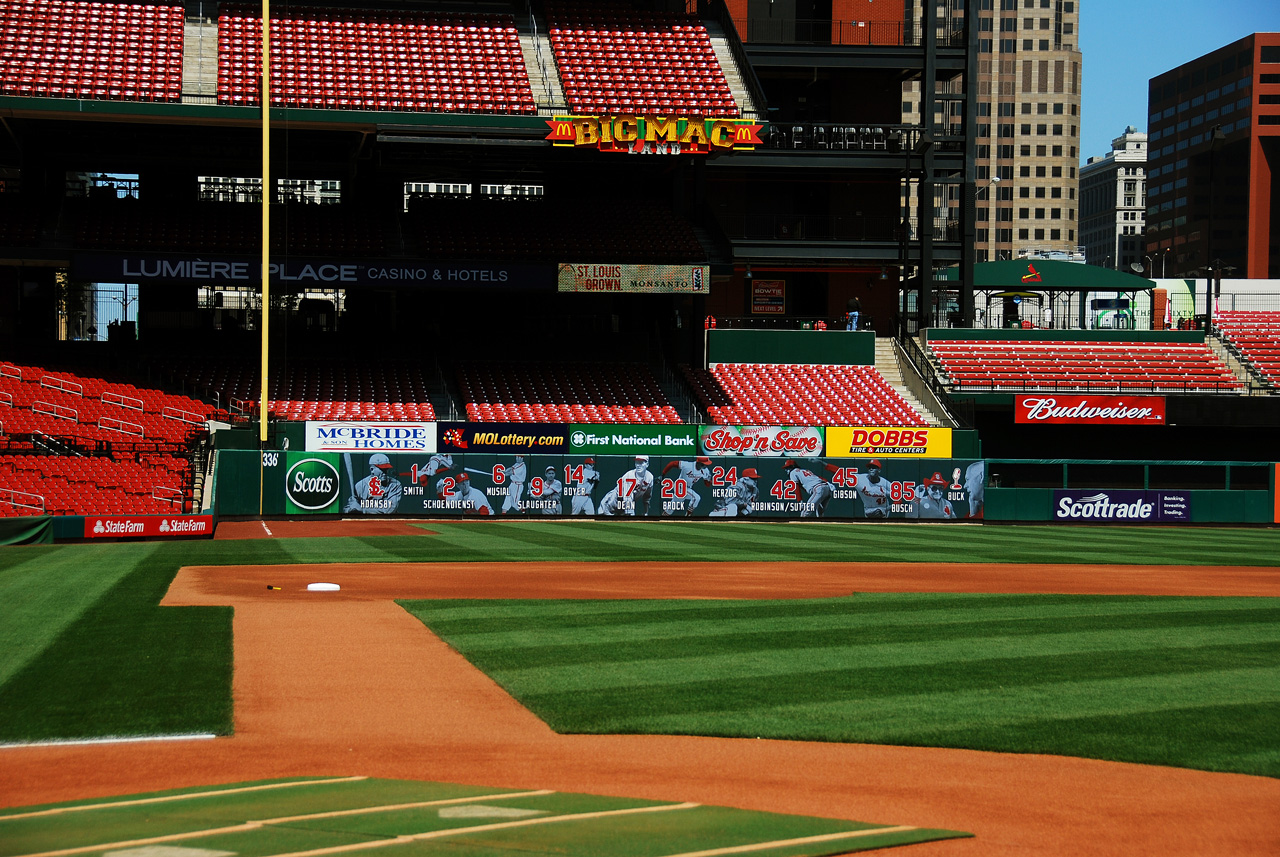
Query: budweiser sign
x=1091 y=410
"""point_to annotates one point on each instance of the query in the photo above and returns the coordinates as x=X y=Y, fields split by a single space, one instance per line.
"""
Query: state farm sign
x=1089 y=410
x=147 y=526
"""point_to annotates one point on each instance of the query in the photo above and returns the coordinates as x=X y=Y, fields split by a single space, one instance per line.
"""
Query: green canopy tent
x=1050 y=278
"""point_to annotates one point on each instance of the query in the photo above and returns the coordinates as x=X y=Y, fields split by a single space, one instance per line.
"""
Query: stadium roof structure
x=1050 y=275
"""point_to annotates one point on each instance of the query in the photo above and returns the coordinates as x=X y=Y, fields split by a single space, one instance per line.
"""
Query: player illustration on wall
x=975 y=485
x=745 y=491
x=517 y=473
x=934 y=503
x=631 y=493
x=545 y=493
x=378 y=493
x=472 y=499
x=583 y=480
x=817 y=489
x=679 y=494
x=873 y=491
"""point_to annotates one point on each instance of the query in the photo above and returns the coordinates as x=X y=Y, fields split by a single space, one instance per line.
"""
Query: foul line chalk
x=186 y=796
x=258 y=825
x=787 y=843
x=124 y=739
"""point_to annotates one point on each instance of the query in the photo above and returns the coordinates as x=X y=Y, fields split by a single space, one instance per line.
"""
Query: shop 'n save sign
x=1089 y=410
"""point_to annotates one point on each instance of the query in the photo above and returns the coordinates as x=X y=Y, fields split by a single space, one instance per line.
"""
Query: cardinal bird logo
x=1032 y=275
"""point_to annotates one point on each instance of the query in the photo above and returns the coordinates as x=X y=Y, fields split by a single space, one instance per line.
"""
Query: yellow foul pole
x=267 y=194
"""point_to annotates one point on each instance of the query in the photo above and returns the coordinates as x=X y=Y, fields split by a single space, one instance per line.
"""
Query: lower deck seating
x=1255 y=334
x=571 y=393
x=74 y=485
x=802 y=394
x=1060 y=365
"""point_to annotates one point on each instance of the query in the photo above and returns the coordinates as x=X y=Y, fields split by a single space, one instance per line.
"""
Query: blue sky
x=1125 y=43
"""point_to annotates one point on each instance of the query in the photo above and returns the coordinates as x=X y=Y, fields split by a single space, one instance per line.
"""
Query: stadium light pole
x=265 y=322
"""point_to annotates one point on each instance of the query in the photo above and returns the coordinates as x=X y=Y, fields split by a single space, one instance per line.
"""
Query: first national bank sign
x=654 y=135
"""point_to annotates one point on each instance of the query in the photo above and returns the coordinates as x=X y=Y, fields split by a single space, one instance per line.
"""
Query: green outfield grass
x=355 y=815
x=87 y=651
x=1191 y=682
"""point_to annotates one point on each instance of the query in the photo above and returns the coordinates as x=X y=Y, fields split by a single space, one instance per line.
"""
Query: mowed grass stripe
x=579 y=619
x=604 y=709
x=894 y=673
x=944 y=717
x=696 y=636
x=633 y=678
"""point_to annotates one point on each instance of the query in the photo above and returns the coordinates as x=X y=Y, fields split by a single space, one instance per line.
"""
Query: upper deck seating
x=88 y=49
x=613 y=59
x=355 y=59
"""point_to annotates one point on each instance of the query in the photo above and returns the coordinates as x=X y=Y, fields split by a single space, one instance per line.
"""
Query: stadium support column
x=968 y=190
x=267 y=194
x=924 y=191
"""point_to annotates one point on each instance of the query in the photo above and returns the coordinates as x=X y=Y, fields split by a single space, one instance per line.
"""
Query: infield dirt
x=337 y=683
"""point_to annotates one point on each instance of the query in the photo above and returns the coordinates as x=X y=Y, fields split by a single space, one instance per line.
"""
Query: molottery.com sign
x=1089 y=410
x=502 y=437
x=888 y=442
x=601 y=439
x=147 y=526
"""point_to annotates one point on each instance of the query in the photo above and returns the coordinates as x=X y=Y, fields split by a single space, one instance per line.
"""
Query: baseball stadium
x=378 y=382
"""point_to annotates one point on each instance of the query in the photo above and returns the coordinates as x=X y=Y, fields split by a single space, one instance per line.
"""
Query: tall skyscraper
x=1113 y=204
x=1028 y=127
x=1214 y=137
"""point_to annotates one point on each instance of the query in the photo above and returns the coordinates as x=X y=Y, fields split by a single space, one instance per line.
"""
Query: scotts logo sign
x=654 y=135
x=1090 y=410
x=312 y=484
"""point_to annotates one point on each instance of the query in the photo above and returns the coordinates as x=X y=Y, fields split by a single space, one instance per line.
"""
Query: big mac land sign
x=1089 y=410
x=655 y=135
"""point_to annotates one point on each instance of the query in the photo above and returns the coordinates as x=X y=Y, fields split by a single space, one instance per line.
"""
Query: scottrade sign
x=1121 y=506
x=602 y=439
x=1089 y=410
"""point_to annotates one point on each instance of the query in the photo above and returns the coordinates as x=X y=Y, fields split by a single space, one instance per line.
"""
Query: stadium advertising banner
x=768 y=297
x=1089 y=410
x=610 y=439
x=147 y=526
x=654 y=135
x=888 y=442
x=643 y=485
x=761 y=440
x=311 y=481
x=336 y=436
x=227 y=270
x=502 y=437
x=635 y=279
x=1121 y=506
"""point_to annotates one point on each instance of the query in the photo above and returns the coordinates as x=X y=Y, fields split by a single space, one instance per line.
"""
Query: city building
x=1113 y=204
x=1214 y=134
x=1027 y=127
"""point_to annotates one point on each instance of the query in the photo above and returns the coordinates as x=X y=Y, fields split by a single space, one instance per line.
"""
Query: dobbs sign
x=311 y=485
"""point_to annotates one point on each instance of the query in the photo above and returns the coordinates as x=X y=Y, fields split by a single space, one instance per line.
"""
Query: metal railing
x=890 y=139
x=747 y=226
x=819 y=31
